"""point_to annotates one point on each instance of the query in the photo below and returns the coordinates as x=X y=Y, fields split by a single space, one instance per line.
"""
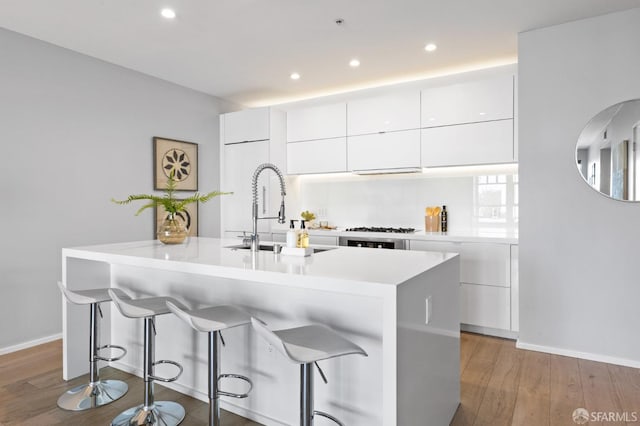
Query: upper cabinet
x=388 y=113
x=384 y=151
x=482 y=100
x=319 y=122
x=246 y=126
x=316 y=141
x=468 y=144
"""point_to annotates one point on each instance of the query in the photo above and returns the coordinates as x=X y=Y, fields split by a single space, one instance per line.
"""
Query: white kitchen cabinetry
x=318 y=122
x=317 y=156
x=490 y=142
x=392 y=150
x=316 y=141
x=246 y=125
x=485 y=281
x=485 y=306
x=471 y=102
x=515 y=289
x=239 y=160
x=388 y=113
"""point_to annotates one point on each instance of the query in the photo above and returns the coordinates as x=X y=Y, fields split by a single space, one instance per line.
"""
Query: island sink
x=269 y=247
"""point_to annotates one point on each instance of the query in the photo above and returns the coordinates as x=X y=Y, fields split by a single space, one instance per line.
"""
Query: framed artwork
x=179 y=157
x=189 y=217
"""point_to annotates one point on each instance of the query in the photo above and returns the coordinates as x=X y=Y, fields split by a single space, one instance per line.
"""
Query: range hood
x=388 y=171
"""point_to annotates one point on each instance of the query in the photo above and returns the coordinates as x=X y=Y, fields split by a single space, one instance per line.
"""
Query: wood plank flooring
x=501 y=385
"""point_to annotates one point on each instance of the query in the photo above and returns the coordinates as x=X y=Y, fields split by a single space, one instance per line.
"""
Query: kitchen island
x=400 y=306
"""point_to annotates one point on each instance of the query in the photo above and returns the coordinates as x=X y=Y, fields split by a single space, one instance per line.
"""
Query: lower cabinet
x=486 y=277
x=485 y=306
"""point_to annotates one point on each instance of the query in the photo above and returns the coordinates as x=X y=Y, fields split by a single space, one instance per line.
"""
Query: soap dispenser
x=292 y=235
x=303 y=236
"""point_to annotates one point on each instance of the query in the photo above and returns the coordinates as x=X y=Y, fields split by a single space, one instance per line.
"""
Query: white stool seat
x=309 y=343
x=141 y=308
x=85 y=297
x=210 y=319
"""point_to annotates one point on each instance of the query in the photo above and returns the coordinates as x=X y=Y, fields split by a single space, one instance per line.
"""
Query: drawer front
x=323 y=240
x=485 y=306
x=480 y=263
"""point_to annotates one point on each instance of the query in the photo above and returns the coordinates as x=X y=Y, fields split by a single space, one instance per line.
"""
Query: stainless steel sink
x=269 y=247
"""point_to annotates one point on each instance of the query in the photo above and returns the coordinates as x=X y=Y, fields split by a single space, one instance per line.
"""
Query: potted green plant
x=173 y=229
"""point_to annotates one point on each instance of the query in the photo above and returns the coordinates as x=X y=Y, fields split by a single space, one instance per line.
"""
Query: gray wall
x=74 y=132
x=579 y=250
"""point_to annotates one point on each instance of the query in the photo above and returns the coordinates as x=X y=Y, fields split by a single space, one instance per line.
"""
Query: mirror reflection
x=606 y=152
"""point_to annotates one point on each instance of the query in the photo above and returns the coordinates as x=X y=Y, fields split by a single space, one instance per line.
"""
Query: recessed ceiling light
x=430 y=47
x=354 y=63
x=168 y=13
x=295 y=76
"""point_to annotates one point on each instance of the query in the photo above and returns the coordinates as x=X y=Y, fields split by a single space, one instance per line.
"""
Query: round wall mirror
x=606 y=152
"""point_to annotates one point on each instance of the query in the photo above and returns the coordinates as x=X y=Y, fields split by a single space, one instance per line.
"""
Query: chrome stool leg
x=97 y=392
x=214 y=378
x=306 y=394
x=307 y=413
x=151 y=412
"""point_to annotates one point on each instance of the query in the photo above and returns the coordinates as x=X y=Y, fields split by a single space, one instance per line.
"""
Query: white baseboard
x=577 y=354
x=30 y=344
x=496 y=332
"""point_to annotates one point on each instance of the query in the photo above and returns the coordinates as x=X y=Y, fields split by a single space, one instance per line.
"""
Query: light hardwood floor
x=501 y=385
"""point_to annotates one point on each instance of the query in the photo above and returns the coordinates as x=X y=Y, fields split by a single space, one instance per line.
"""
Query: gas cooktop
x=382 y=229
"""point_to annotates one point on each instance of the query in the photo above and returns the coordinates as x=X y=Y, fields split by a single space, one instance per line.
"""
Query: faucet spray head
x=281 y=218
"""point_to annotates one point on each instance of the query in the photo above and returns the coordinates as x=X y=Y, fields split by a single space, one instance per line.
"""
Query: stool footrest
x=163 y=379
x=115 y=358
x=235 y=376
x=328 y=416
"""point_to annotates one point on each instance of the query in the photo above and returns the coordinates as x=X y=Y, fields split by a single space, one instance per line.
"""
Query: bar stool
x=306 y=346
x=97 y=392
x=151 y=412
x=211 y=321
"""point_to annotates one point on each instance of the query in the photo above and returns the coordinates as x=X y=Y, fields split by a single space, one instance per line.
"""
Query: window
x=495 y=200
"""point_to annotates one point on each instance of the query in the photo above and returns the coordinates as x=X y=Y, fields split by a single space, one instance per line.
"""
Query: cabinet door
x=485 y=306
x=398 y=111
x=515 y=290
x=482 y=100
x=321 y=156
x=240 y=161
x=480 y=263
x=319 y=122
x=478 y=143
x=392 y=150
x=246 y=125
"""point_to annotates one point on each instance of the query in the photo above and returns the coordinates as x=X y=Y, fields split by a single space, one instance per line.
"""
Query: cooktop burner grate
x=382 y=229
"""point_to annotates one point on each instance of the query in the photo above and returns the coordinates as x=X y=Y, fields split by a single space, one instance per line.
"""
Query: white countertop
x=345 y=269
x=470 y=235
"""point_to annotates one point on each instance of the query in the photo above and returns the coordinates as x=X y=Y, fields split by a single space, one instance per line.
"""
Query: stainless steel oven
x=374 y=242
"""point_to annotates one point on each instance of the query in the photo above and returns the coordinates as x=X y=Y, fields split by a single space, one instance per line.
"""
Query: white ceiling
x=245 y=50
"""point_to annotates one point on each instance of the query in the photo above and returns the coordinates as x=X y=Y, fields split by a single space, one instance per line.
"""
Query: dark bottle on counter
x=443 y=219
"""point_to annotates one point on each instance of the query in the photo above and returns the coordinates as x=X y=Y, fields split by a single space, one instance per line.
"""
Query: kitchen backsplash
x=475 y=198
